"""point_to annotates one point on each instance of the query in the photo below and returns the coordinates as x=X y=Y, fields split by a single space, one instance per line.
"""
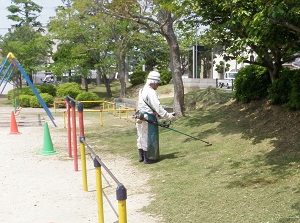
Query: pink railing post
x=74 y=134
x=69 y=126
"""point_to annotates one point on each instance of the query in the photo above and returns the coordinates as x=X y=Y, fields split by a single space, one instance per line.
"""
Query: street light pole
x=196 y=56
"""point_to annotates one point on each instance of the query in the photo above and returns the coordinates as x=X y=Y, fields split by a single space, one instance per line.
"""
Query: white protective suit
x=148 y=104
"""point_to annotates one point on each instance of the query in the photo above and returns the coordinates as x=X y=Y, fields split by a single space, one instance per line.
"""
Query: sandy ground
x=46 y=189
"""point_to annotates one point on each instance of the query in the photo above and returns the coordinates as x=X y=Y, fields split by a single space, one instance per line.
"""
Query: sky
x=48 y=10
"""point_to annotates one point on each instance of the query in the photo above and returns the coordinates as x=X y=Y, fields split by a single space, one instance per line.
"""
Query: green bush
x=47 y=88
x=26 y=90
x=251 y=83
x=280 y=90
x=294 y=97
x=165 y=77
x=88 y=96
x=11 y=94
x=47 y=98
x=71 y=89
x=138 y=77
x=24 y=100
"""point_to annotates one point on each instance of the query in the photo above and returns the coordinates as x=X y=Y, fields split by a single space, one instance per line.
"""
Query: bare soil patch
x=36 y=188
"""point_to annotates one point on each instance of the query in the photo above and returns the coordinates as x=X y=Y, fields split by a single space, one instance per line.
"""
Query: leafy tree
x=156 y=17
x=63 y=60
x=221 y=68
x=92 y=39
x=246 y=27
x=152 y=52
x=30 y=47
x=251 y=83
x=24 y=12
x=70 y=58
x=282 y=13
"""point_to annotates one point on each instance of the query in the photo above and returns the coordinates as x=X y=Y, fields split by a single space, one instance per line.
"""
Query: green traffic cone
x=48 y=145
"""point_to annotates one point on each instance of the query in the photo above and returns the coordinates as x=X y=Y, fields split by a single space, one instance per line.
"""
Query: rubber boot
x=146 y=160
x=141 y=155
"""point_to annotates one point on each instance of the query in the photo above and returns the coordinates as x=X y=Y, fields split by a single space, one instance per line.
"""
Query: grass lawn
x=249 y=174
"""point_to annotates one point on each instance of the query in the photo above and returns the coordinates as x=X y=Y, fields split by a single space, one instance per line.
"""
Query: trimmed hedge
x=24 y=100
x=88 y=96
x=165 y=77
x=71 y=89
x=47 y=88
x=286 y=90
x=251 y=83
x=26 y=90
x=138 y=77
x=47 y=98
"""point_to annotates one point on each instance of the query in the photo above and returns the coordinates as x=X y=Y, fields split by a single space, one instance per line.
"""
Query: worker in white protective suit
x=150 y=109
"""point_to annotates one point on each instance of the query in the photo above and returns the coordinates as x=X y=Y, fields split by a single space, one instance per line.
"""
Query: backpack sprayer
x=140 y=116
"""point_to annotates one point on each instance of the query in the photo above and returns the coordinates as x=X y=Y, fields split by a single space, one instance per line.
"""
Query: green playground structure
x=13 y=63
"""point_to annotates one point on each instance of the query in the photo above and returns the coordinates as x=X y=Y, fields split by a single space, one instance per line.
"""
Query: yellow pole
x=83 y=163
x=101 y=118
x=121 y=197
x=97 y=166
x=64 y=116
x=55 y=107
x=122 y=211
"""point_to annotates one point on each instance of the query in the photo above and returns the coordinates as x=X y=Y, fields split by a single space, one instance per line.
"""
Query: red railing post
x=74 y=134
x=82 y=146
x=69 y=126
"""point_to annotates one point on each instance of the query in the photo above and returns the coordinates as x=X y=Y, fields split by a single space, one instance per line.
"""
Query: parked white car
x=229 y=79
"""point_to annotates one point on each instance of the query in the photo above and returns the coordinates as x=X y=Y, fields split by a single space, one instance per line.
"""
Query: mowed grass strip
x=249 y=174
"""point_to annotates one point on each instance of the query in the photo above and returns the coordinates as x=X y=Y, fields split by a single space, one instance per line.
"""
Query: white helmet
x=154 y=75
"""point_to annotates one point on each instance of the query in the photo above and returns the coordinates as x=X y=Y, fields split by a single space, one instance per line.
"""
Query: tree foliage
x=251 y=83
x=30 y=47
x=95 y=41
x=246 y=27
x=24 y=12
x=156 y=17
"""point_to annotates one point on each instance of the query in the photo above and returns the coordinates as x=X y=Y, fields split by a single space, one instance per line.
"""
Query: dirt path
x=46 y=189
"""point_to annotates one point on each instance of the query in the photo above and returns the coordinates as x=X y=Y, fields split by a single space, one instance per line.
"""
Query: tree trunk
x=121 y=75
x=274 y=72
x=168 y=32
x=85 y=84
x=20 y=80
x=98 y=78
x=69 y=76
x=273 y=64
x=30 y=78
x=107 y=85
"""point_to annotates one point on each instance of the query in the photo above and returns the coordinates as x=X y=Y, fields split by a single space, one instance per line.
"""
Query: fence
x=121 y=192
x=104 y=106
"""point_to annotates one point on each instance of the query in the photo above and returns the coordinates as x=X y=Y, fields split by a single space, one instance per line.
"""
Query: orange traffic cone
x=13 y=124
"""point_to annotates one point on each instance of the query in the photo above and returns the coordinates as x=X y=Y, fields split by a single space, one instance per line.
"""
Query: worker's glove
x=139 y=117
x=170 y=116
